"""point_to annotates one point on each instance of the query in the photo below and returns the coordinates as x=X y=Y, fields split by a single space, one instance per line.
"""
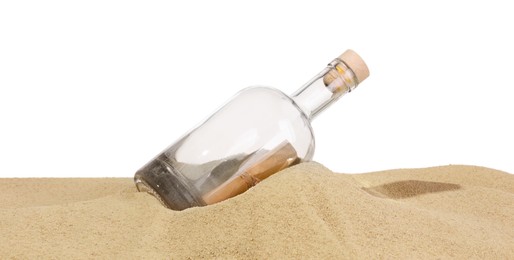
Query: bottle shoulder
x=271 y=94
x=262 y=90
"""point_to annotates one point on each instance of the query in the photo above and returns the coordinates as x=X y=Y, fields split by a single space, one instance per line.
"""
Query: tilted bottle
x=257 y=133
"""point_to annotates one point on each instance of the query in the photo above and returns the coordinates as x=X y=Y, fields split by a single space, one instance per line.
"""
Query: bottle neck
x=328 y=86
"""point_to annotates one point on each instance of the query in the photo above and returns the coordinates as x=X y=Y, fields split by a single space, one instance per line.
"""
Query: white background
x=97 y=88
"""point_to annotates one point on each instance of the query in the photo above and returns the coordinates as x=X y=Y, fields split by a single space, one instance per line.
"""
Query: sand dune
x=303 y=212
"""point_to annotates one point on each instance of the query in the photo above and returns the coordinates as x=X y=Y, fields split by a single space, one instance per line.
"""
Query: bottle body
x=257 y=133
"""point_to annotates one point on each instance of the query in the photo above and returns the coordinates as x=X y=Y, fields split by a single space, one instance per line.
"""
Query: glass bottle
x=257 y=133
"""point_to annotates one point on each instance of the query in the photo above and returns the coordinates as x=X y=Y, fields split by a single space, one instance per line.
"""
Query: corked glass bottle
x=257 y=133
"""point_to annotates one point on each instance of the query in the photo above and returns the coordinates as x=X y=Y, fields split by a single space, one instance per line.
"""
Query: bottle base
x=160 y=180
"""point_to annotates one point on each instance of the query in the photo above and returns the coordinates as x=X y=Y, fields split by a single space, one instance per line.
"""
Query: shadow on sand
x=409 y=188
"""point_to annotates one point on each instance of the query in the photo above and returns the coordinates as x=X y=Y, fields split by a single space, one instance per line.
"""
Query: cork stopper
x=356 y=64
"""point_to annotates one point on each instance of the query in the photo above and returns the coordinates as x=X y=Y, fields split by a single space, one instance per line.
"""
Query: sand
x=306 y=211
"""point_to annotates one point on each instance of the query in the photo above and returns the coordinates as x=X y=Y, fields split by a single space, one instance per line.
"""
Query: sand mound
x=304 y=212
